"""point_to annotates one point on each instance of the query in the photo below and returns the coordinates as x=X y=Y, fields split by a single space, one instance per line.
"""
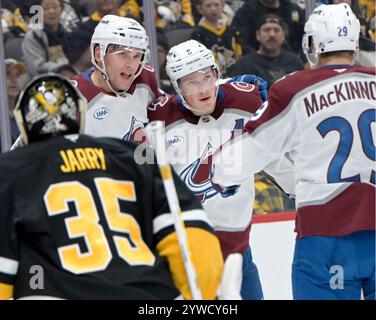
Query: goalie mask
x=49 y=106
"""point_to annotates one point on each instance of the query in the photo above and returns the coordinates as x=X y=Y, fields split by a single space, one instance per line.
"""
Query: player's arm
x=203 y=244
x=265 y=140
x=281 y=173
x=8 y=244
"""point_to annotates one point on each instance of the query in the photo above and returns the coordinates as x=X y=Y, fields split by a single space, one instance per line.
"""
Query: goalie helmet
x=186 y=58
x=49 y=106
x=121 y=31
x=330 y=28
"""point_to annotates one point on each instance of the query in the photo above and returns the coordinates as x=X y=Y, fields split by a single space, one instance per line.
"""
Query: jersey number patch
x=129 y=246
x=345 y=143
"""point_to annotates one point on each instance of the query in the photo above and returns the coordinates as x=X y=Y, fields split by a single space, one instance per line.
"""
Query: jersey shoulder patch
x=159 y=102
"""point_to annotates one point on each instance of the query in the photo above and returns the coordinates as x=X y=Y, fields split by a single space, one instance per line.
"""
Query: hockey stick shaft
x=157 y=131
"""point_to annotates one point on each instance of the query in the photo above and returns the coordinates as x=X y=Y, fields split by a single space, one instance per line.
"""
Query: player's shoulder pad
x=240 y=95
x=85 y=86
x=149 y=68
x=159 y=102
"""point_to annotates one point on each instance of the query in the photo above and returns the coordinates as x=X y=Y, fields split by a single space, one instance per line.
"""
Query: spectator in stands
x=164 y=80
x=371 y=29
x=76 y=47
x=14 y=20
x=13 y=23
x=268 y=197
x=73 y=14
x=131 y=8
x=105 y=7
x=15 y=76
x=216 y=35
x=248 y=17
x=67 y=71
x=42 y=48
x=270 y=61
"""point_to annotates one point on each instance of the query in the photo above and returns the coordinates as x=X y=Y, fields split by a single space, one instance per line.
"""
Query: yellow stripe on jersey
x=6 y=291
x=207 y=260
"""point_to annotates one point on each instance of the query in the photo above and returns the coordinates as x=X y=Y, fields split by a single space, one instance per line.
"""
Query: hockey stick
x=157 y=130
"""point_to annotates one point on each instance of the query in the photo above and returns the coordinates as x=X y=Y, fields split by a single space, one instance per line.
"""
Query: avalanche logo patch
x=136 y=131
x=197 y=175
x=101 y=113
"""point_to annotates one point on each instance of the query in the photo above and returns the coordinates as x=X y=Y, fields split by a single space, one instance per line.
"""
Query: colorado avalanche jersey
x=191 y=142
x=324 y=119
x=109 y=115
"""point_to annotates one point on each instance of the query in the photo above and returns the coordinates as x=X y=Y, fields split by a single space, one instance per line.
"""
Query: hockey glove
x=256 y=80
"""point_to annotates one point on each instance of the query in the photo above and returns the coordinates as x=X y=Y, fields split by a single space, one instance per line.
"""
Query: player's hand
x=256 y=80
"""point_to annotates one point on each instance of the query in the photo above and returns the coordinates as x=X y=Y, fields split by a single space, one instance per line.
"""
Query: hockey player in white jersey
x=324 y=120
x=199 y=119
x=122 y=85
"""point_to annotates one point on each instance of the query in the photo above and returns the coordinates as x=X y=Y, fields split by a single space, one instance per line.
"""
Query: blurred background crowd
x=261 y=37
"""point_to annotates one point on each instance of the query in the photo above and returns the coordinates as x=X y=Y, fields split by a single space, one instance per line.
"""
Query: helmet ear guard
x=48 y=106
x=330 y=28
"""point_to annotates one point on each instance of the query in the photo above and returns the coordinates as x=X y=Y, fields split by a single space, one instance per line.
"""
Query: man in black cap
x=271 y=61
x=76 y=47
x=249 y=15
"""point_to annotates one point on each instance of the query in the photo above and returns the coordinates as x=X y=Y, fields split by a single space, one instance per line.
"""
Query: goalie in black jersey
x=87 y=217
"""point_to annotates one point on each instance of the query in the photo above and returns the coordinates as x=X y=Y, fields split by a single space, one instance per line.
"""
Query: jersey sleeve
x=267 y=135
x=282 y=173
x=8 y=243
x=203 y=244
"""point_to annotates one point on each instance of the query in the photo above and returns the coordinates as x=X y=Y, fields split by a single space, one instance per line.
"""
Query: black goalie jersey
x=79 y=219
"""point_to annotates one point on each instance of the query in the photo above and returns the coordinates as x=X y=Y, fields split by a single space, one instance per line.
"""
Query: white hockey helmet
x=331 y=28
x=120 y=31
x=188 y=57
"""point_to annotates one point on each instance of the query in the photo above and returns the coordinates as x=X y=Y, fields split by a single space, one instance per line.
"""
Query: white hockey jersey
x=191 y=142
x=324 y=120
x=118 y=117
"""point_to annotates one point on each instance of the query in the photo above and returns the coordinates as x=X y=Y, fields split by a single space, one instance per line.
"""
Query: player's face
x=199 y=90
x=122 y=64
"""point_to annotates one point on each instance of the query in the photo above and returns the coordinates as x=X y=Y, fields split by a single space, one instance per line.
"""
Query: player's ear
x=97 y=56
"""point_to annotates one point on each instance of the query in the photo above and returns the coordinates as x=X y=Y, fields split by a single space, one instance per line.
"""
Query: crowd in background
x=261 y=37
